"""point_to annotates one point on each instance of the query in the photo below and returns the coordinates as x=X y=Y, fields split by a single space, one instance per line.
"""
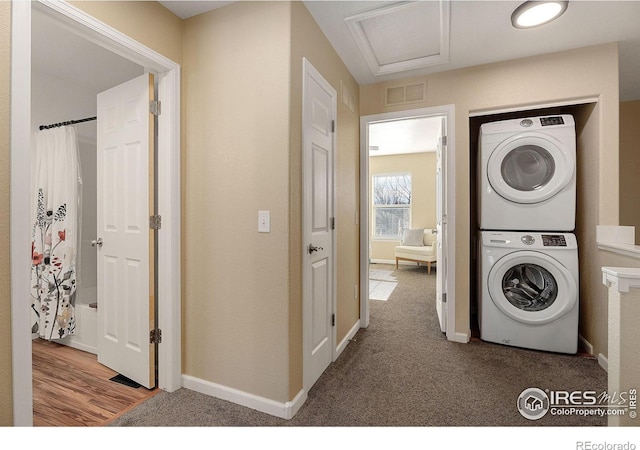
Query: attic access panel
x=402 y=37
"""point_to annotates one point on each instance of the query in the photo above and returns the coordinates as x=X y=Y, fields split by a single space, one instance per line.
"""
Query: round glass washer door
x=530 y=168
x=532 y=287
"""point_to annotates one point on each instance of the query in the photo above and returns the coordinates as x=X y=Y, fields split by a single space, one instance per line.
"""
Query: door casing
x=447 y=111
x=168 y=190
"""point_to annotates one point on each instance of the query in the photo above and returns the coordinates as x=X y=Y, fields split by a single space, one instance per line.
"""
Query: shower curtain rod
x=68 y=122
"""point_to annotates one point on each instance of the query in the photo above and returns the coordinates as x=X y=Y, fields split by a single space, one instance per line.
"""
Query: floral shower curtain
x=55 y=200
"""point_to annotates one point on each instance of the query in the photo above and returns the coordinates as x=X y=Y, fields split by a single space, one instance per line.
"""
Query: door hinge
x=155 y=222
x=155 y=107
x=333 y=126
x=155 y=336
x=444 y=297
x=333 y=223
x=333 y=320
x=444 y=141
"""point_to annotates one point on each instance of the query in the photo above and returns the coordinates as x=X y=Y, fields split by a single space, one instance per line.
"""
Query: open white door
x=441 y=228
x=125 y=202
x=319 y=106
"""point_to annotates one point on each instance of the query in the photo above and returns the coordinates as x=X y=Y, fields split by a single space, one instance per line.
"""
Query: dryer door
x=532 y=287
x=530 y=167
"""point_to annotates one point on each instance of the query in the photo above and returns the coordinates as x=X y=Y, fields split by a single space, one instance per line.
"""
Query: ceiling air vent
x=408 y=93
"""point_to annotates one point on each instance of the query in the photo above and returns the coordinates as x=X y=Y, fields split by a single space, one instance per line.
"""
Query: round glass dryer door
x=530 y=168
x=532 y=287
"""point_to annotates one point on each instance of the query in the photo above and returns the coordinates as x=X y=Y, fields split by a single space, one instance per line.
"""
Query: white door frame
x=449 y=247
x=168 y=191
x=309 y=69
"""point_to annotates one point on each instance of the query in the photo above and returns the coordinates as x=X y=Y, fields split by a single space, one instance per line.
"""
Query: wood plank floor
x=70 y=388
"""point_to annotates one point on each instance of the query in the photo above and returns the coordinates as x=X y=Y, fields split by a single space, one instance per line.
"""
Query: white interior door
x=319 y=108
x=441 y=228
x=125 y=199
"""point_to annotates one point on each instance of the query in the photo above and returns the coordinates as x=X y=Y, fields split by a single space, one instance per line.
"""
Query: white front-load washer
x=528 y=290
x=527 y=174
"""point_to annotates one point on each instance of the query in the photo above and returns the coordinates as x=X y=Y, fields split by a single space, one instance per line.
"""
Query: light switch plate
x=264 y=221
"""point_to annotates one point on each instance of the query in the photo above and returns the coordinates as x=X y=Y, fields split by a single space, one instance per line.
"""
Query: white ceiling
x=480 y=33
x=415 y=135
x=59 y=53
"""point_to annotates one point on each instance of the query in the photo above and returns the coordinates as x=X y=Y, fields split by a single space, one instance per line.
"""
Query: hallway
x=401 y=371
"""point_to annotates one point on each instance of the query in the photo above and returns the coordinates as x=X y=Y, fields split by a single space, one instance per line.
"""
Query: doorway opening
x=407 y=189
x=168 y=176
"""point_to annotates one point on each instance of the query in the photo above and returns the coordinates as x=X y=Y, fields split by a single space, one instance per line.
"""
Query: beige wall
x=586 y=72
x=6 y=402
x=422 y=167
x=243 y=97
x=309 y=41
x=235 y=163
x=630 y=165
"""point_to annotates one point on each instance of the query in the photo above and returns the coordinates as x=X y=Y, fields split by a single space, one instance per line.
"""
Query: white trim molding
x=603 y=362
x=618 y=239
x=284 y=410
x=343 y=344
x=20 y=273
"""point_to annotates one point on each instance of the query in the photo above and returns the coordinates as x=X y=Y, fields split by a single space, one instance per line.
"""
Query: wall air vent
x=408 y=93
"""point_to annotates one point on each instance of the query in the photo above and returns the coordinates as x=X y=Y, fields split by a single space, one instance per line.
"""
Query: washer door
x=530 y=168
x=532 y=287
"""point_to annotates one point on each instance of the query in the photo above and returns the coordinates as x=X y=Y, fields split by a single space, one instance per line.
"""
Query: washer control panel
x=554 y=240
x=547 y=121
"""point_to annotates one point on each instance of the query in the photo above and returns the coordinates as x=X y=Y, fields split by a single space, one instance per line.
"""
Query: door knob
x=96 y=242
x=312 y=248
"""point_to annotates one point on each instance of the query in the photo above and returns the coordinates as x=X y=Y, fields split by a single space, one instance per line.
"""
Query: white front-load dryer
x=527 y=174
x=528 y=290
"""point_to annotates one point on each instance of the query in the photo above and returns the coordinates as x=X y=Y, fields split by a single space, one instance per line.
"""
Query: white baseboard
x=343 y=344
x=393 y=262
x=585 y=344
x=603 y=361
x=283 y=410
x=462 y=338
x=382 y=261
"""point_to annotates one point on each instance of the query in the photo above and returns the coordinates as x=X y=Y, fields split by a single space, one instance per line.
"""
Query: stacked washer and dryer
x=527 y=253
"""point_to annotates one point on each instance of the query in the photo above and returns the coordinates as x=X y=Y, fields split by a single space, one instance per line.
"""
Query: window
x=391 y=205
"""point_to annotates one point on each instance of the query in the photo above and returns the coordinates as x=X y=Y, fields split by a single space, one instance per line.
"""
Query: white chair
x=418 y=250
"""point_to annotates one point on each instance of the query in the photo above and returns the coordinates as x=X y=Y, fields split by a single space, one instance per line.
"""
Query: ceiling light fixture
x=535 y=13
